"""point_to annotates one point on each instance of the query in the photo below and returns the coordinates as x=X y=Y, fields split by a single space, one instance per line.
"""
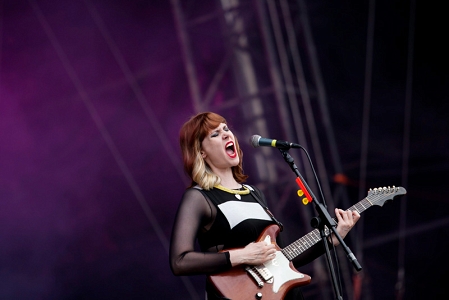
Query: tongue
x=230 y=151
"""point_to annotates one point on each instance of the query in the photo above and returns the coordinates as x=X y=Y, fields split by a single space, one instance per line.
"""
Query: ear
x=203 y=155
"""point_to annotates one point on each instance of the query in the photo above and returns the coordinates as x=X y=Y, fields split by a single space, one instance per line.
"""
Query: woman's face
x=218 y=148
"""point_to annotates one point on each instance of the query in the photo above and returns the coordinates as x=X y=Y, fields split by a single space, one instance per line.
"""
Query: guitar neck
x=302 y=244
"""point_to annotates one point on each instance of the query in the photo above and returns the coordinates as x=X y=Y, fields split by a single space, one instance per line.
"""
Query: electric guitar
x=273 y=279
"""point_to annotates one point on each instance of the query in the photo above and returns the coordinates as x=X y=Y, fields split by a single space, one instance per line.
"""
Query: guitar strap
x=256 y=196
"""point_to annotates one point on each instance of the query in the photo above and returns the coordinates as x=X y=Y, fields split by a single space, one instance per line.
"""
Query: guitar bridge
x=260 y=274
x=254 y=275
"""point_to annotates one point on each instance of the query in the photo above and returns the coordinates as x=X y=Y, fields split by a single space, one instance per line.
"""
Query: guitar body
x=239 y=284
x=272 y=280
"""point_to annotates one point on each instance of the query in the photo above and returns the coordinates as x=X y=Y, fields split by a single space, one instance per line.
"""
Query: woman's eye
x=226 y=128
x=214 y=134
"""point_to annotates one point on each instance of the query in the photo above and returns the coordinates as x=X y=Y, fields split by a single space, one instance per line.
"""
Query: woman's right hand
x=253 y=254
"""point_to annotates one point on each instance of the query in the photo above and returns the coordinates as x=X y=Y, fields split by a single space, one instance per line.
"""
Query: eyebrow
x=218 y=129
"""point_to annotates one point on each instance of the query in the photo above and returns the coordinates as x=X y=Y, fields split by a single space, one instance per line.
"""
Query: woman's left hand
x=346 y=220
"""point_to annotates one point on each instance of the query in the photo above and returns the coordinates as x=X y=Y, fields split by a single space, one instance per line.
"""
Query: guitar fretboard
x=302 y=244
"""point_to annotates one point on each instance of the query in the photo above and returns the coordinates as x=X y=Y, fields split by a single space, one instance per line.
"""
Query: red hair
x=191 y=136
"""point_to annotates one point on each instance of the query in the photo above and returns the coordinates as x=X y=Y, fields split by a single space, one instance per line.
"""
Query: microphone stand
x=321 y=222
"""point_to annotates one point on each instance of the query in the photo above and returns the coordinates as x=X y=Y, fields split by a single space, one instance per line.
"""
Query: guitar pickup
x=264 y=272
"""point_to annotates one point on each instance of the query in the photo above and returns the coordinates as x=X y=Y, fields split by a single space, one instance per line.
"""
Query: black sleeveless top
x=239 y=221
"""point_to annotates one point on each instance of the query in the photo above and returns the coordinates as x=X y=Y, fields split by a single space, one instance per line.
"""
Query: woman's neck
x=230 y=184
x=228 y=180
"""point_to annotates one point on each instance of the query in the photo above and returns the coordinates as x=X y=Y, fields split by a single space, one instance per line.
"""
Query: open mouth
x=230 y=149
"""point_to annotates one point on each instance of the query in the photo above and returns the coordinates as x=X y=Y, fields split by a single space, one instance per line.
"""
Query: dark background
x=92 y=96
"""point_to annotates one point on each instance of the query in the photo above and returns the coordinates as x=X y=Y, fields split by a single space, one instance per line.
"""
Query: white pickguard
x=280 y=269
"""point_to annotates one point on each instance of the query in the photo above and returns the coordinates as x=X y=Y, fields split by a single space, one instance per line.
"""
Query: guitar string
x=313 y=237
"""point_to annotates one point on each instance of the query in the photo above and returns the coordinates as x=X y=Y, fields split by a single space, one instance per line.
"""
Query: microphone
x=257 y=141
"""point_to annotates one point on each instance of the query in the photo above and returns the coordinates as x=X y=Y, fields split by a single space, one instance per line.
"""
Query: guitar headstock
x=378 y=196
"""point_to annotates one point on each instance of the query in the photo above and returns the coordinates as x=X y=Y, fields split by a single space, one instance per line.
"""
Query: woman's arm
x=193 y=213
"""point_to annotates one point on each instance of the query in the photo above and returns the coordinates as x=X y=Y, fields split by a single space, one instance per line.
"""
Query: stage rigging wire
x=358 y=278
x=102 y=128
x=400 y=284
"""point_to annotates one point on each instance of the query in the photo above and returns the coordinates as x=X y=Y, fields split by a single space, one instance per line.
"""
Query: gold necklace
x=236 y=193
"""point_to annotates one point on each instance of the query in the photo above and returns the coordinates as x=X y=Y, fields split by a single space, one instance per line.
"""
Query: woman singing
x=221 y=212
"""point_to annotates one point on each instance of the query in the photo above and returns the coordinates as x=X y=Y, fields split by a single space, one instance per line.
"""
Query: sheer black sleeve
x=194 y=213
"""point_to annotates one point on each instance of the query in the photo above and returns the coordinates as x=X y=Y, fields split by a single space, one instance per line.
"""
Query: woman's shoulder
x=194 y=198
x=256 y=192
x=253 y=188
x=194 y=191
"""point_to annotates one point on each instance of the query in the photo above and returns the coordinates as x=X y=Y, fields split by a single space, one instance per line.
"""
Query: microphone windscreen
x=255 y=140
